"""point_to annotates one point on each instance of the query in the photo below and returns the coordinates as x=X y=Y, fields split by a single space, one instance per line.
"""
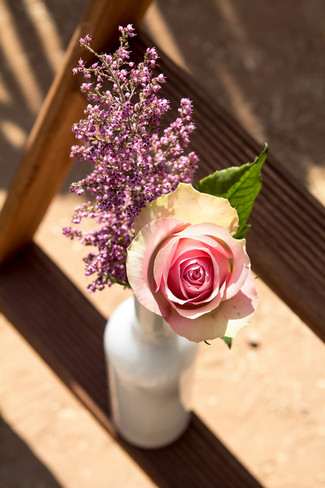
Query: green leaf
x=220 y=182
x=228 y=341
x=240 y=185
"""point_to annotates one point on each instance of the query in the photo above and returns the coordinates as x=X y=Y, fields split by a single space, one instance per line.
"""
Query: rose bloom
x=185 y=265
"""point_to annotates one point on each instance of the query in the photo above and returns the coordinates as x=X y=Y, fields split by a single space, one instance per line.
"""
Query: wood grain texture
x=67 y=332
x=287 y=240
x=46 y=161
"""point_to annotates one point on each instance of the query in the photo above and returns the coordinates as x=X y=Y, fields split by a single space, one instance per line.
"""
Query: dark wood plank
x=66 y=330
x=287 y=240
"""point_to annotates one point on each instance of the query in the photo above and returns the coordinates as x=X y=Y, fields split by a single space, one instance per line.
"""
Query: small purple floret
x=134 y=160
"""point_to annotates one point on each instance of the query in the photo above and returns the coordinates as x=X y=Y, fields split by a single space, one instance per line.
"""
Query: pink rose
x=185 y=265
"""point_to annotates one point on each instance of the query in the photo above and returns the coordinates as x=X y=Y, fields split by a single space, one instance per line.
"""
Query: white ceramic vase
x=150 y=376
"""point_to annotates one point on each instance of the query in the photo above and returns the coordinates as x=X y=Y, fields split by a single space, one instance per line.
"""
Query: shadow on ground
x=19 y=467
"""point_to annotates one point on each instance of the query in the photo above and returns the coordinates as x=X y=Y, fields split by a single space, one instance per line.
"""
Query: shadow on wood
x=66 y=330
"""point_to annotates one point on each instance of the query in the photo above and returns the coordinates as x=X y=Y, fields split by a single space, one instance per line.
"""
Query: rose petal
x=198 y=329
x=188 y=204
x=240 y=309
x=141 y=253
x=196 y=237
x=196 y=275
x=175 y=281
x=237 y=247
x=204 y=307
x=164 y=259
x=226 y=320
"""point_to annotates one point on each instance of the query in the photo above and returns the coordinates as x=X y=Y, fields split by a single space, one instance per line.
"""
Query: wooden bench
x=286 y=245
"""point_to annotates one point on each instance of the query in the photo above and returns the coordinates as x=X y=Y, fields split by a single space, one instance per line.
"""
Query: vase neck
x=149 y=324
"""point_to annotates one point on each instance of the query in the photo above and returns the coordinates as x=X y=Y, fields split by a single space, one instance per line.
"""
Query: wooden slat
x=287 y=240
x=66 y=330
x=46 y=161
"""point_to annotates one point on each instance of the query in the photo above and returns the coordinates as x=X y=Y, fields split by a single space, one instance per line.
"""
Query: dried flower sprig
x=134 y=160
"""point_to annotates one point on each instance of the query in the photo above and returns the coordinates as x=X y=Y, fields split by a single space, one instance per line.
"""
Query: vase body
x=150 y=376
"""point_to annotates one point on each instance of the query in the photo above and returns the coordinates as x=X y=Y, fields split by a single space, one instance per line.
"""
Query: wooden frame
x=46 y=161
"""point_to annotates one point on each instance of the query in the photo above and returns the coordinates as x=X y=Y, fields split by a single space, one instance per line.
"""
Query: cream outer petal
x=188 y=204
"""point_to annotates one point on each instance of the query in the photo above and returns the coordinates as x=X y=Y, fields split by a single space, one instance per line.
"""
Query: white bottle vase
x=150 y=376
